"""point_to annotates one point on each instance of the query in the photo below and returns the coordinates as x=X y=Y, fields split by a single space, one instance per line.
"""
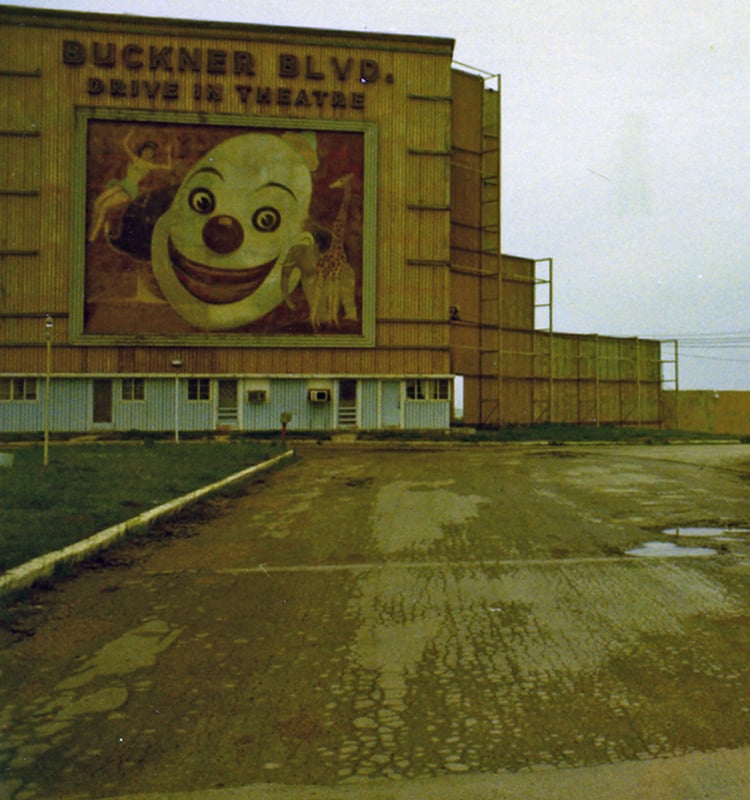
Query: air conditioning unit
x=257 y=396
x=319 y=395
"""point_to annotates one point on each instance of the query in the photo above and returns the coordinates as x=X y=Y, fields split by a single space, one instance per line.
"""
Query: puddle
x=669 y=549
x=717 y=534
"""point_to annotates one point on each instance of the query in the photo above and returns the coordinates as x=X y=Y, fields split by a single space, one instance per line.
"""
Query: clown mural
x=224 y=230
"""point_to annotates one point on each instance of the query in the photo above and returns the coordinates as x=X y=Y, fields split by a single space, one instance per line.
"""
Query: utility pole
x=49 y=326
x=177 y=364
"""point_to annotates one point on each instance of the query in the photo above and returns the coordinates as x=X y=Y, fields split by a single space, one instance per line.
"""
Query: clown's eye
x=202 y=201
x=266 y=219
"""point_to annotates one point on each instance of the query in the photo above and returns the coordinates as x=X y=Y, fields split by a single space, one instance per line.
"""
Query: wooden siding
x=513 y=373
x=518 y=293
x=708 y=412
x=38 y=96
x=396 y=359
x=475 y=295
x=441 y=299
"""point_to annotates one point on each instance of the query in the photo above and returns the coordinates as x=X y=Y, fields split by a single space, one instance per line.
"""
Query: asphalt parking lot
x=393 y=622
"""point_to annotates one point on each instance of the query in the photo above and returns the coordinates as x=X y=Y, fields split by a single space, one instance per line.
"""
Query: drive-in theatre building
x=214 y=225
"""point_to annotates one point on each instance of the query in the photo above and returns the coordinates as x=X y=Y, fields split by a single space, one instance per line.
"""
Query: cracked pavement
x=374 y=621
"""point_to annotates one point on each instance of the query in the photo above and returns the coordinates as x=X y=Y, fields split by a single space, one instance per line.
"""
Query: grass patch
x=86 y=488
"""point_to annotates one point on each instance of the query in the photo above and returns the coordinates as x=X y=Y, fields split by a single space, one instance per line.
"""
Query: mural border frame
x=366 y=339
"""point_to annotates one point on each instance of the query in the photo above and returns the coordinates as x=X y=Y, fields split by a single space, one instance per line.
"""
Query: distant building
x=215 y=225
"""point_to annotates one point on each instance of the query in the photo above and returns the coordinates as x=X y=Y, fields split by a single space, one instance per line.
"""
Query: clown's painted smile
x=212 y=285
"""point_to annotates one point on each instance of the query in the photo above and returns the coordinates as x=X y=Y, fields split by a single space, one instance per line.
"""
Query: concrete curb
x=22 y=576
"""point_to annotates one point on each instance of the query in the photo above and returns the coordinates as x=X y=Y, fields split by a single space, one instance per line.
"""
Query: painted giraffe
x=334 y=278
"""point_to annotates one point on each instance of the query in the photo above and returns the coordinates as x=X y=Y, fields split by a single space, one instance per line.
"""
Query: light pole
x=176 y=363
x=49 y=325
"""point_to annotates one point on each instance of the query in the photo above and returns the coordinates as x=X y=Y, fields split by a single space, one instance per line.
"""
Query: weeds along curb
x=24 y=575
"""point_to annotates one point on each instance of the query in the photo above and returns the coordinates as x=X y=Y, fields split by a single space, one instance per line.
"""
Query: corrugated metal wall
x=369 y=404
x=432 y=414
x=72 y=406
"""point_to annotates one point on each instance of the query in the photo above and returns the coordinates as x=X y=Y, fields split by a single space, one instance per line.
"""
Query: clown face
x=218 y=251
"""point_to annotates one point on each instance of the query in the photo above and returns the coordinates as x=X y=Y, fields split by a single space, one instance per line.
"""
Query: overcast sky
x=626 y=150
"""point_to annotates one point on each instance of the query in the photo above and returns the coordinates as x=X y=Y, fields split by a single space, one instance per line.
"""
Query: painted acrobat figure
x=120 y=193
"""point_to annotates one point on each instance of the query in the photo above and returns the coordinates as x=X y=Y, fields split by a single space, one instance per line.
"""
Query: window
x=133 y=389
x=415 y=390
x=17 y=389
x=442 y=388
x=428 y=389
x=199 y=389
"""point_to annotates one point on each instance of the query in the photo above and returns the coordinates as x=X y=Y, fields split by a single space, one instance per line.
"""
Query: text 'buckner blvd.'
x=164 y=61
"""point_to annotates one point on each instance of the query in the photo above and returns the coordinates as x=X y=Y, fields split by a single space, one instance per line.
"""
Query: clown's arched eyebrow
x=211 y=170
x=279 y=186
x=214 y=171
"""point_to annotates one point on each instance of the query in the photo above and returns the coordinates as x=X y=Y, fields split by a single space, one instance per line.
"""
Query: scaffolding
x=543 y=315
x=670 y=376
x=491 y=293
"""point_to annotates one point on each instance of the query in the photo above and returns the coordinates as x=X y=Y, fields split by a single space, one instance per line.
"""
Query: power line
x=720 y=340
x=716 y=358
x=700 y=337
x=715 y=345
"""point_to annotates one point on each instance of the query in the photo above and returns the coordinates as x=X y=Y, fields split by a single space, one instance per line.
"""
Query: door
x=228 y=408
x=102 y=402
x=390 y=404
x=347 y=414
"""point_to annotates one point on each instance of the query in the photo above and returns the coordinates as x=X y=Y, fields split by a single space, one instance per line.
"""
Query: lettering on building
x=170 y=73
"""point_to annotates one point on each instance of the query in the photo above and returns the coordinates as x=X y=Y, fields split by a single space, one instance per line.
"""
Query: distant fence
x=580 y=379
x=707 y=411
